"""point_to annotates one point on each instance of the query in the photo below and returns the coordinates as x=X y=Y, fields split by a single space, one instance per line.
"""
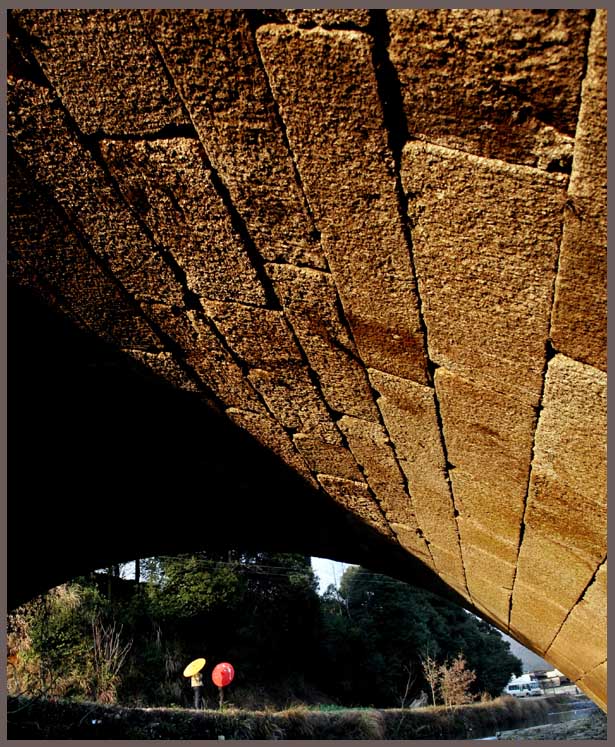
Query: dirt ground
x=593 y=726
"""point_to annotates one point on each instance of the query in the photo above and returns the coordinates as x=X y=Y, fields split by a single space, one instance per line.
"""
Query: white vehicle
x=523 y=687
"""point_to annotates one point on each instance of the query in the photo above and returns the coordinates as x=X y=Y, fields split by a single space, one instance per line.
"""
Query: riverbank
x=61 y=719
x=592 y=727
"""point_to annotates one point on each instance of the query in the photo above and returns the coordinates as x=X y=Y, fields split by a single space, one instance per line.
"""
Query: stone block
x=356 y=498
x=311 y=304
x=579 y=324
x=477 y=536
x=567 y=494
x=358 y=17
x=485 y=243
x=326 y=88
x=449 y=565
x=270 y=434
x=489 y=597
x=506 y=83
x=213 y=59
x=410 y=417
x=545 y=563
x=372 y=448
x=41 y=244
x=411 y=539
x=580 y=313
x=295 y=402
x=583 y=637
x=104 y=68
x=488 y=439
x=595 y=684
x=41 y=135
x=260 y=337
x=165 y=366
x=535 y=616
x=567 y=517
x=484 y=568
x=328 y=459
x=169 y=186
x=216 y=367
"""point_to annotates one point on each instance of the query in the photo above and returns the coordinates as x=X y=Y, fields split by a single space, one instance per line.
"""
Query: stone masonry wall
x=376 y=239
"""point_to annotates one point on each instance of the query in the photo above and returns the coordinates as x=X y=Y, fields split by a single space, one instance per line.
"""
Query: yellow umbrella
x=194 y=667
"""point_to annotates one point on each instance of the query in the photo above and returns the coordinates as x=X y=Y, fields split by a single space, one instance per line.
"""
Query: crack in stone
x=574 y=606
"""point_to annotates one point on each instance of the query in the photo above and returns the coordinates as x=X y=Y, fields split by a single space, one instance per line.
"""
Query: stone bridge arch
x=335 y=279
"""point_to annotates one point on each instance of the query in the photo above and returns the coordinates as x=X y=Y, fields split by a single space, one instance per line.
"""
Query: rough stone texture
x=294 y=401
x=583 y=636
x=215 y=65
x=355 y=496
x=169 y=186
x=565 y=522
x=409 y=414
x=485 y=263
x=535 y=617
x=269 y=433
x=41 y=245
x=580 y=312
x=358 y=17
x=164 y=365
x=373 y=450
x=311 y=305
x=216 y=367
x=104 y=68
x=328 y=459
x=41 y=135
x=261 y=337
x=489 y=439
x=595 y=684
x=498 y=83
x=567 y=496
x=411 y=538
x=327 y=91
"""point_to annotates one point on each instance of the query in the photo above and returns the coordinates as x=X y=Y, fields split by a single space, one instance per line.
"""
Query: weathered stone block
x=373 y=450
x=169 y=185
x=506 y=82
x=261 y=337
x=164 y=365
x=489 y=597
x=535 y=616
x=358 y=17
x=411 y=539
x=326 y=88
x=544 y=562
x=355 y=497
x=485 y=244
x=482 y=538
x=583 y=636
x=328 y=459
x=489 y=440
x=310 y=301
x=215 y=65
x=271 y=435
x=594 y=683
x=409 y=414
x=41 y=244
x=295 y=402
x=104 y=68
x=42 y=136
x=580 y=313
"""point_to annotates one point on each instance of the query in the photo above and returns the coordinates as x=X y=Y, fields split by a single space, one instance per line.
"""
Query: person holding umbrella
x=193 y=670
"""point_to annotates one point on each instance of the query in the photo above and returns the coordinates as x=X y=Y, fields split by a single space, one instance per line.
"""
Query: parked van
x=523 y=687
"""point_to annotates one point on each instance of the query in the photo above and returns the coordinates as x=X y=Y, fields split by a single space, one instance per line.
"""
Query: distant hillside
x=530 y=660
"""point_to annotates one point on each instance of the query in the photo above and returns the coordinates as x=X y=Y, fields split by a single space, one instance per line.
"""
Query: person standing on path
x=197 y=688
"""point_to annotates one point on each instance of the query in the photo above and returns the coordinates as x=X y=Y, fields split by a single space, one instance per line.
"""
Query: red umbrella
x=223 y=674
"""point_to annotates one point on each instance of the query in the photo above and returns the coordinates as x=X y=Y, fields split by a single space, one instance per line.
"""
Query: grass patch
x=61 y=719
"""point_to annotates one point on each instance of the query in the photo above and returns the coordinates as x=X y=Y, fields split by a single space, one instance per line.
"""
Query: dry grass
x=49 y=719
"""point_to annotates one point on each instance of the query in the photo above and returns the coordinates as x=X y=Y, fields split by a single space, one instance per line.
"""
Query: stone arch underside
x=331 y=281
